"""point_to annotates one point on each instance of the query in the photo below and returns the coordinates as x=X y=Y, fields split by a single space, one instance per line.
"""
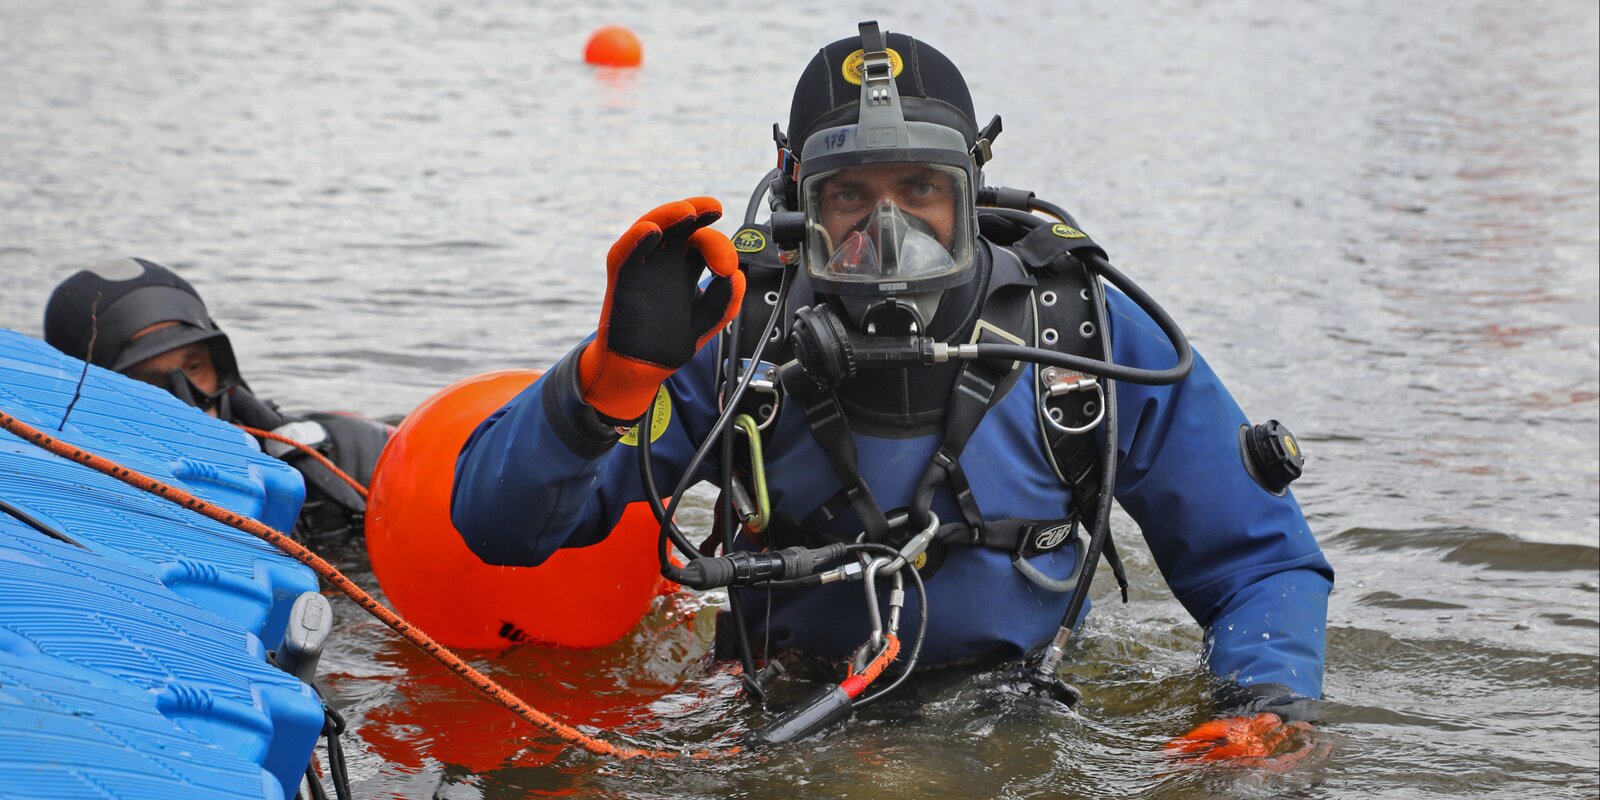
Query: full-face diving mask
x=888 y=202
x=888 y=228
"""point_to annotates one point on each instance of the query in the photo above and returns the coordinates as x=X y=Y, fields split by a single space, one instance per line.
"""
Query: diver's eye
x=843 y=199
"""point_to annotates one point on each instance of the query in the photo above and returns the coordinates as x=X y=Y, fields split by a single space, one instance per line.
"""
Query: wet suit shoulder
x=1241 y=559
x=544 y=471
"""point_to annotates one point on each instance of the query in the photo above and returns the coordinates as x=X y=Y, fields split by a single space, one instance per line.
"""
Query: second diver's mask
x=888 y=204
x=180 y=386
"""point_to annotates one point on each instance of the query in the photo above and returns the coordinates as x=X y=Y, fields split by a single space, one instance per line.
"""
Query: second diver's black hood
x=112 y=301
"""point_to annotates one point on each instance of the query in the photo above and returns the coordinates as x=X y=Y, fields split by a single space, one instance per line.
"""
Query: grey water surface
x=1379 y=222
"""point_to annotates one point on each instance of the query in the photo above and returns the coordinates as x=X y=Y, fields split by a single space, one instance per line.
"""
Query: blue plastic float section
x=147 y=430
x=134 y=666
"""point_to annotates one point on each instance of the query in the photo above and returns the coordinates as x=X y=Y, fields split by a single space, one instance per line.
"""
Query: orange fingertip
x=705 y=205
x=628 y=242
x=667 y=215
x=718 y=252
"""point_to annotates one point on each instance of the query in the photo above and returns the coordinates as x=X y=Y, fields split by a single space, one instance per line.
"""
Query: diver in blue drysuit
x=546 y=470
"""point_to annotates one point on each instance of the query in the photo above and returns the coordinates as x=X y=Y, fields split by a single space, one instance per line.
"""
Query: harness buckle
x=1053 y=538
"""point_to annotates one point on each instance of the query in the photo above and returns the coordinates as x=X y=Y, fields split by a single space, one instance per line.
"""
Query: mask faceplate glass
x=887 y=227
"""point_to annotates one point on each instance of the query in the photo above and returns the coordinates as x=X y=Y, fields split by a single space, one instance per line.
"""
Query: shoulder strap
x=1070 y=405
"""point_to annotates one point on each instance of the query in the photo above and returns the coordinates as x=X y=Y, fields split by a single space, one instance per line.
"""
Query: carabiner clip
x=756 y=515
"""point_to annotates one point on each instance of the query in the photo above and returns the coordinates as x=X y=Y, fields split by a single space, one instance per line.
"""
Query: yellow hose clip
x=758 y=471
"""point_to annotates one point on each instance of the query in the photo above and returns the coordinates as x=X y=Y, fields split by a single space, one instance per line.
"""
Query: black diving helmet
x=888 y=201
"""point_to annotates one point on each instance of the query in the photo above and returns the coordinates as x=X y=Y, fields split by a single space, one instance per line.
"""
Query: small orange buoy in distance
x=614 y=46
x=581 y=598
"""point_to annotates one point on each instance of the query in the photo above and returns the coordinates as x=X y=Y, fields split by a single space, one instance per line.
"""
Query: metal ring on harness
x=1043 y=581
x=1058 y=388
x=764 y=379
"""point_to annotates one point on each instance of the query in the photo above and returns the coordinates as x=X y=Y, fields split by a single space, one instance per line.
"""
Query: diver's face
x=193 y=359
x=915 y=189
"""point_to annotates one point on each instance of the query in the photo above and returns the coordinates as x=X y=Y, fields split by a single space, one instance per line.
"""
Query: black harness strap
x=974 y=390
x=828 y=426
x=1024 y=538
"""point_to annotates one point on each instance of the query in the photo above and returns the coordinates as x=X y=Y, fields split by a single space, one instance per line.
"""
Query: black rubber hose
x=332 y=726
x=669 y=528
x=1106 y=369
x=664 y=514
x=752 y=208
x=314 y=784
x=731 y=404
x=727 y=517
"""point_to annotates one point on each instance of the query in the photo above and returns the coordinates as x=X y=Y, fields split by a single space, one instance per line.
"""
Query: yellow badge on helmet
x=660 y=415
x=1067 y=232
x=749 y=240
x=851 y=68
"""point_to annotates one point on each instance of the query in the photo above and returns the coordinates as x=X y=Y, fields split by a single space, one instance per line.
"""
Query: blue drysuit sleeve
x=544 y=472
x=1242 y=560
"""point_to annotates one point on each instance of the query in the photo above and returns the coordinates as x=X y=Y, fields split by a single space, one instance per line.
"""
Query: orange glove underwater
x=655 y=317
x=1253 y=739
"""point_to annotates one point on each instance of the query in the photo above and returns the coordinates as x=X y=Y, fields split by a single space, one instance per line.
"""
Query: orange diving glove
x=655 y=316
x=1251 y=738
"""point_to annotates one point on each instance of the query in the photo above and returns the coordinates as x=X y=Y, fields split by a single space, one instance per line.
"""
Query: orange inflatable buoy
x=584 y=597
x=614 y=46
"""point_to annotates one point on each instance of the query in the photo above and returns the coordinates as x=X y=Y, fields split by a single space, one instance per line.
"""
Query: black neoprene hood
x=116 y=300
x=931 y=90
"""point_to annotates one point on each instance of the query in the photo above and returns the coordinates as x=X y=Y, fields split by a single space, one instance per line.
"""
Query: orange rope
x=310 y=451
x=891 y=650
x=858 y=683
x=483 y=683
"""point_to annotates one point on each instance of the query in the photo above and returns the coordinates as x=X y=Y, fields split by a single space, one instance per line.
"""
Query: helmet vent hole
x=1048 y=298
x=1049 y=336
x=1086 y=330
x=1084 y=293
x=771 y=298
x=1055 y=414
